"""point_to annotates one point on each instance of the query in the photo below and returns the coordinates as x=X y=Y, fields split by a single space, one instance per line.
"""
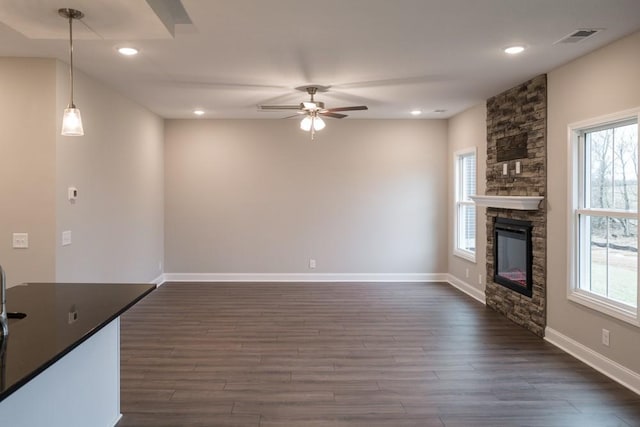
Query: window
x=465 y=219
x=605 y=217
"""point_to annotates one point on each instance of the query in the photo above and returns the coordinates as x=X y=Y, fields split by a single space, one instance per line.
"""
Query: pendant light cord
x=71 y=61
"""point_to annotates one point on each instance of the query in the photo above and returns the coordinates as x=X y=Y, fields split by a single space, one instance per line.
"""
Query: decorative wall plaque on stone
x=512 y=147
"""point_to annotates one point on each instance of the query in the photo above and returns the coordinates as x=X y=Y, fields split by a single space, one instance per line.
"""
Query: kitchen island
x=60 y=365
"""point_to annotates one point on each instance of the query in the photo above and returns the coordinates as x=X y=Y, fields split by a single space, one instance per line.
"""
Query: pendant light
x=71 y=120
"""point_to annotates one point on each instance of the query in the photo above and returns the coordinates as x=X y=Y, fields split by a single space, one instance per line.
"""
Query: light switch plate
x=72 y=194
x=66 y=238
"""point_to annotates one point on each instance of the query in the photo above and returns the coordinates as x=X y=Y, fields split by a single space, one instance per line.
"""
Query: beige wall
x=469 y=130
x=117 y=223
x=258 y=196
x=27 y=169
x=603 y=82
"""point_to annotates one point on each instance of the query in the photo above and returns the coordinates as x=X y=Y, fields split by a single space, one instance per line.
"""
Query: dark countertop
x=49 y=331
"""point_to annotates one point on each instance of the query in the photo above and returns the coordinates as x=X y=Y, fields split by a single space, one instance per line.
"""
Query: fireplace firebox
x=512 y=254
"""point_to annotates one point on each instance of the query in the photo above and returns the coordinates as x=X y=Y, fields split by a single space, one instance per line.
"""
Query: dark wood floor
x=349 y=354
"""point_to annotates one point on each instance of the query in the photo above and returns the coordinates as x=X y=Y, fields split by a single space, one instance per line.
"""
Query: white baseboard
x=115 y=423
x=597 y=361
x=468 y=289
x=305 y=277
x=159 y=281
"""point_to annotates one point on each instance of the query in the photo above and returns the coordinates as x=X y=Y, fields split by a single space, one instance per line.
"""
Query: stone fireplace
x=516 y=166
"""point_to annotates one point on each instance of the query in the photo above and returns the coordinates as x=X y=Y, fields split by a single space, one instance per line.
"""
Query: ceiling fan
x=313 y=110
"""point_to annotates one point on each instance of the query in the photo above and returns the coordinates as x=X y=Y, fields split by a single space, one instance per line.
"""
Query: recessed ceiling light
x=514 y=50
x=128 y=51
x=198 y=112
x=416 y=112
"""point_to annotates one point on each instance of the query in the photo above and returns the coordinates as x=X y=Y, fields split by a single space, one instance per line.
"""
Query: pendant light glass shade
x=72 y=122
x=71 y=119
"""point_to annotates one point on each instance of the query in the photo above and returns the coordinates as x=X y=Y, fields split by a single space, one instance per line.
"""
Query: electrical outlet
x=505 y=170
x=312 y=263
x=605 y=337
x=467 y=273
x=20 y=240
x=479 y=279
x=73 y=316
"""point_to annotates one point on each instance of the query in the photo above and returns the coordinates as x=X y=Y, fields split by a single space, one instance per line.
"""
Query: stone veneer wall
x=514 y=117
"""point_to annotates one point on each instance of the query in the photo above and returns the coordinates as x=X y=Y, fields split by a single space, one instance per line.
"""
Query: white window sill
x=469 y=256
x=601 y=305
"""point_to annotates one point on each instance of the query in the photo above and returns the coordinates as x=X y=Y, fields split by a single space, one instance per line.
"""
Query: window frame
x=577 y=214
x=458 y=182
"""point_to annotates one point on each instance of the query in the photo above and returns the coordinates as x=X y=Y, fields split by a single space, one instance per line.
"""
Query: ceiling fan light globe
x=306 y=123
x=318 y=124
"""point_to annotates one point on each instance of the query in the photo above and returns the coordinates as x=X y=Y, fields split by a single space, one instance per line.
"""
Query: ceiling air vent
x=579 y=35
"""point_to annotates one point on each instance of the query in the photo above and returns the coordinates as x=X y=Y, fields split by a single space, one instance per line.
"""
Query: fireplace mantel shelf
x=523 y=203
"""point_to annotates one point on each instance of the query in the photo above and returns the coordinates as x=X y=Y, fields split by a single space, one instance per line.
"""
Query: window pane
x=467 y=228
x=625 y=167
x=468 y=176
x=600 y=152
x=597 y=227
x=612 y=259
x=623 y=260
x=612 y=168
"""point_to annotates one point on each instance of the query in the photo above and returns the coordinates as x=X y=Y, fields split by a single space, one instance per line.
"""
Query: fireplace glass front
x=513 y=255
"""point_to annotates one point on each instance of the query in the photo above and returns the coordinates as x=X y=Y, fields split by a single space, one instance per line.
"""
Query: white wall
x=469 y=130
x=27 y=169
x=117 y=222
x=605 y=81
x=257 y=196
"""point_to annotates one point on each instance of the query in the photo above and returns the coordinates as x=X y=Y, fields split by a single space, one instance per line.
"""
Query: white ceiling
x=393 y=56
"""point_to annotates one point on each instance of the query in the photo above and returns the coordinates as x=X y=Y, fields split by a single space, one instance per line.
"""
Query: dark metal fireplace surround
x=512 y=254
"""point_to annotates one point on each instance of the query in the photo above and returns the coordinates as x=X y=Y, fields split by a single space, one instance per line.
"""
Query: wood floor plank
x=555 y=420
x=355 y=422
x=348 y=355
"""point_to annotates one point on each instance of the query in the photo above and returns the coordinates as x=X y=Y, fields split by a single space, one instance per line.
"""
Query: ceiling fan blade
x=278 y=107
x=414 y=80
x=295 y=115
x=333 y=115
x=213 y=85
x=354 y=108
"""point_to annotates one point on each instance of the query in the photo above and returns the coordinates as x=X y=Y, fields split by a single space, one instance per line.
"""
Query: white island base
x=81 y=389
